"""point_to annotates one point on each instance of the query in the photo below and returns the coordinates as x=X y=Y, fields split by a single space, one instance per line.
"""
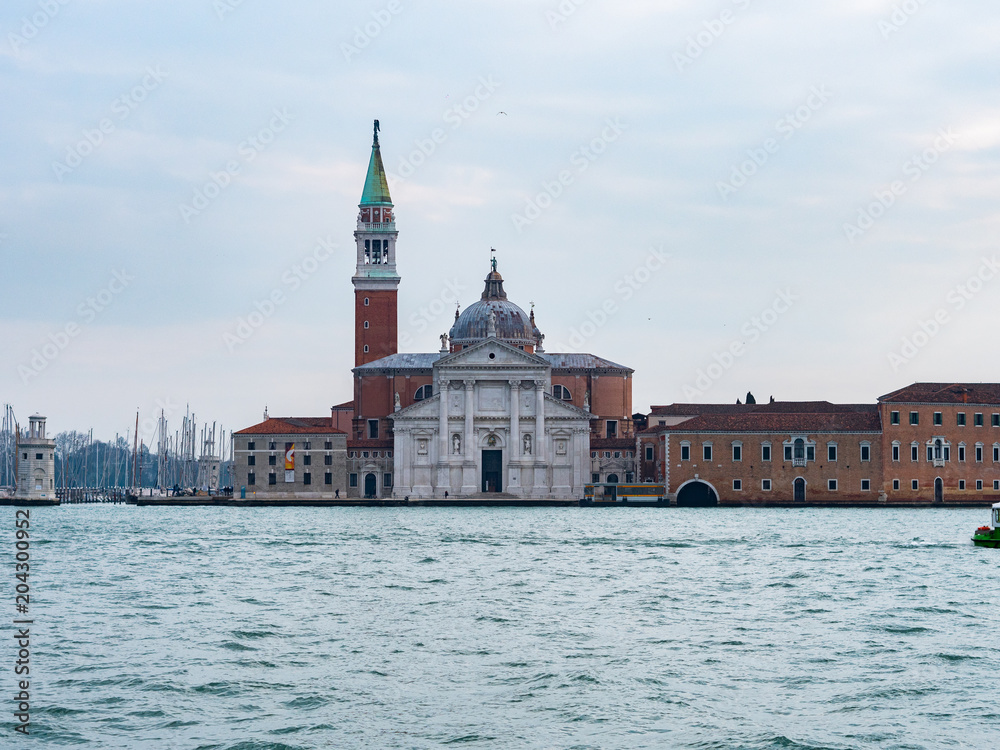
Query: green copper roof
x=376 y=186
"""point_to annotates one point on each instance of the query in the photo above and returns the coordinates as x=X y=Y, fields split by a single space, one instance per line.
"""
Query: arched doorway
x=697 y=493
x=370 y=485
x=938 y=490
x=800 y=490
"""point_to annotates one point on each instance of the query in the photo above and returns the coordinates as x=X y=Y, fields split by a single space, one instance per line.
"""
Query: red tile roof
x=781 y=407
x=945 y=393
x=781 y=422
x=293 y=426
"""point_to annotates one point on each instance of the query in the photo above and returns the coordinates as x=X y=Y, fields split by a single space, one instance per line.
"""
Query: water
x=511 y=628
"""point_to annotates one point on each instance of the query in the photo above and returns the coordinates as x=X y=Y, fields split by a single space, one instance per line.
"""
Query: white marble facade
x=492 y=426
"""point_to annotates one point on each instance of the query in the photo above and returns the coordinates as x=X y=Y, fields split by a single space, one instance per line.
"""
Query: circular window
x=492 y=355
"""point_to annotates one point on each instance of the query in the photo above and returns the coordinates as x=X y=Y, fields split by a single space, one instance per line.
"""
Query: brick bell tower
x=375 y=280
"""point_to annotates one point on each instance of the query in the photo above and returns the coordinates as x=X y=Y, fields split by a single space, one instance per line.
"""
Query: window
x=607 y=454
x=328 y=460
x=251 y=478
x=961 y=451
x=685 y=451
x=307 y=478
x=328 y=445
x=895 y=485
x=737 y=451
x=706 y=451
x=996 y=420
x=663 y=422
x=629 y=477
x=366 y=305
x=365 y=454
x=373 y=429
x=593 y=454
x=738 y=485
x=649 y=453
x=595 y=478
x=272 y=460
x=307 y=460
x=996 y=484
x=996 y=453
x=366 y=324
x=562 y=393
x=979 y=453
x=765 y=484
x=352 y=480
x=978 y=419
x=39 y=456
x=251 y=460
x=765 y=452
x=894 y=417
x=937 y=418
x=866 y=485
x=252 y=445
x=788 y=453
x=307 y=445
x=618 y=454
x=979 y=484
x=388 y=454
x=866 y=452
x=914 y=456
x=831 y=452
x=914 y=417
x=914 y=485
x=424 y=391
x=961 y=484
x=811 y=453
x=272 y=478
x=270 y=446
x=930 y=453
x=960 y=419
x=387 y=479
x=831 y=485
x=612 y=428
x=328 y=478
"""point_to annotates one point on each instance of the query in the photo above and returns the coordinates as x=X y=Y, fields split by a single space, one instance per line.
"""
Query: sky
x=797 y=199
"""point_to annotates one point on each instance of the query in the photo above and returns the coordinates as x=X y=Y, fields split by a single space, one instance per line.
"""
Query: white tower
x=36 y=462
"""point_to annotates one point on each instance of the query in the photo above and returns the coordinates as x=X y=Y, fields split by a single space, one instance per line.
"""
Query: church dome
x=513 y=325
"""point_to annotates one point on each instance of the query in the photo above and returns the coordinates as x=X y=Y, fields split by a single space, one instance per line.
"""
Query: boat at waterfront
x=989 y=536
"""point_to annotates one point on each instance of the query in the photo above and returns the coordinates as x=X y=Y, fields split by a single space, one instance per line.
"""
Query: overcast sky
x=811 y=185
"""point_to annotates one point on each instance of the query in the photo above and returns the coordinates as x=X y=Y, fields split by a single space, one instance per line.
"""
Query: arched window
x=424 y=391
x=562 y=392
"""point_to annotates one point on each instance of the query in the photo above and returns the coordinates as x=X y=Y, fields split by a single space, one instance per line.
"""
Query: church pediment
x=491 y=353
x=429 y=407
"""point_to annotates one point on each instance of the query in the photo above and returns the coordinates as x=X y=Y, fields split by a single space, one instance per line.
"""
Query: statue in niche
x=456 y=444
x=586 y=401
x=396 y=405
x=527 y=445
x=491 y=324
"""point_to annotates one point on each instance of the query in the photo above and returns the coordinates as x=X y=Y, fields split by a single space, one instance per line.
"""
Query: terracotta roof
x=778 y=407
x=345 y=406
x=945 y=393
x=843 y=421
x=293 y=426
x=627 y=444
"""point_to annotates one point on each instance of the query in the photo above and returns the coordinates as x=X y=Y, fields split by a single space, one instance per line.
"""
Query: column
x=515 y=419
x=443 y=451
x=470 y=390
x=539 y=447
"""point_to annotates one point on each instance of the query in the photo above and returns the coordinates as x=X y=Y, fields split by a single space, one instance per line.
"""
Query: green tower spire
x=376 y=192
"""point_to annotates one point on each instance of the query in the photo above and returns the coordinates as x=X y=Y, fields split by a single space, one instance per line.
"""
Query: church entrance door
x=492 y=471
x=369 y=485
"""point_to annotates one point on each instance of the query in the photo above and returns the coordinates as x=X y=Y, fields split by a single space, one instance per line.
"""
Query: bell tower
x=375 y=279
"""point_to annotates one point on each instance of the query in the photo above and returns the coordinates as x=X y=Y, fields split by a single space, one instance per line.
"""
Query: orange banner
x=289 y=456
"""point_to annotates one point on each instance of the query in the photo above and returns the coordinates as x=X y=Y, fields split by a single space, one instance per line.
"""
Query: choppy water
x=511 y=628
